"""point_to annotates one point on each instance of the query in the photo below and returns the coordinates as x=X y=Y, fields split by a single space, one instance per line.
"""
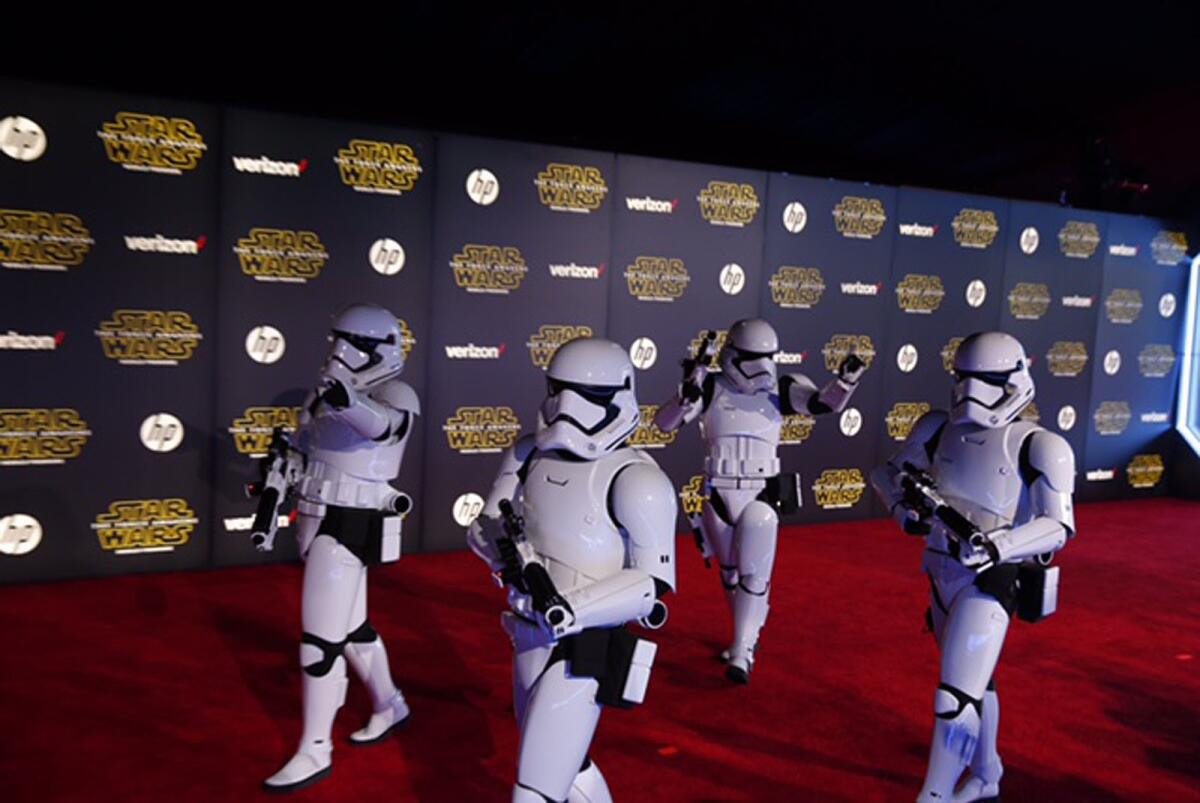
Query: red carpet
x=184 y=687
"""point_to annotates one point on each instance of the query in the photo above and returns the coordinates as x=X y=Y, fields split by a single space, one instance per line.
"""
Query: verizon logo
x=1078 y=302
x=1101 y=474
x=648 y=204
x=166 y=245
x=861 y=289
x=790 y=357
x=1155 y=418
x=16 y=341
x=262 y=166
x=917 y=230
x=242 y=524
x=573 y=271
x=473 y=352
x=1122 y=250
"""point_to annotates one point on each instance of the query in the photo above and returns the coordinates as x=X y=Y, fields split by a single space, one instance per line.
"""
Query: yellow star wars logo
x=1029 y=301
x=1079 y=240
x=647 y=435
x=657 y=278
x=1112 y=418
x=1169 y=247
x=482 y=430
x=1067 y=358
x=919 y=293
x=692 y=497
x=149 y=337
x=133 y=526
x=796 y=429
x=41 y=436
x=949 y=351
x=1156 y=361
x=975 y=228
x=489 y=269
x=549 y=337
x=571 y=188
x=839 y=488
x=859 y=218
x=903 y=417
x=840 y=346
x=1145 y=470
x=252 y=432
x=797 y=288
x=279 y=255
x=1123 y=305
x=407 y=339
x=42 y=240
x=724 y=203
x=1030 y=413
x=718 y=344
x=154 y=144
x=380 y=167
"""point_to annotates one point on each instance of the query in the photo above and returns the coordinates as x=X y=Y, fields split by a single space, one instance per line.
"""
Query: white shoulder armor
x=1052 y=457
x=399 y=395
x=643 y=504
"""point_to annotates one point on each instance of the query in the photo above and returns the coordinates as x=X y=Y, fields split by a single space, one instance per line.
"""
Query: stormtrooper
x=581 y=527
x=347 y=448
x=991 y=494
x=741 y=411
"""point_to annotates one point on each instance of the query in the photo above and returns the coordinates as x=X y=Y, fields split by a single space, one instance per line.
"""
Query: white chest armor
x=565 y=505
x=741 y=432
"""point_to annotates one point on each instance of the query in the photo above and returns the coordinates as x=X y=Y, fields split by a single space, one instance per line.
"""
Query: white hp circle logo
x=643 y=353
x=733 y=278
x=906 y=358
x=387 y=256
x=1066 y=418
x=22 y=139
x=162 y=432
x=1112 y=362
x=265 y=344
x=976 y=293
x=795 y=217
x=482 y=186
x=851 y=422
x=467 y=508
x=20 y=534
x=1166 y=305
x=1030 y=239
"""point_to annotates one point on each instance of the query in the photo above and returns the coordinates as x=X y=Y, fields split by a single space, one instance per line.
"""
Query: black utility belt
x=373 y=536
x=615 y=657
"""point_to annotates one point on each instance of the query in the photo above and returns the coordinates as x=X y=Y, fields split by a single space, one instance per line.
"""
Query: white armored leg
x=556 y=731
x=719 y=534
x=983 y=784
x=754 y=542
x=368 y=656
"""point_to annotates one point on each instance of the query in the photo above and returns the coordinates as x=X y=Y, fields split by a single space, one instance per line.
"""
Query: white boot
x=954 y=742
x=323 y=696
x=393 y=716
x=370 y=663
x=983 y=784
x=749 y=615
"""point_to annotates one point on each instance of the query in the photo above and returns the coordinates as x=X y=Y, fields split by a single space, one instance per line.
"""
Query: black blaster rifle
x=920 y=493
x=271 y=490
x=524 y=572
x=706 y=350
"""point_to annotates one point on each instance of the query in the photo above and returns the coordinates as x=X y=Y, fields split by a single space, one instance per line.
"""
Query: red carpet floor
x=184 y=687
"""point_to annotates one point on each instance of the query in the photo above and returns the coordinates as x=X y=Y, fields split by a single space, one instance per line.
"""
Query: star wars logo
x=692 y=496
x=1123 y=305
x=657 y=278
x=41 y=436
x=379 y=167
x=1169 y=247
x=1156 y=361
x=42 y=240
x=975 y=228
x=153 y=144
x=859 y=218
x=647 y=435
x=1078 y=240
x=797 y=288
x=482 y=430
x=252 y=432
x=571 y=188
x=1145 y=470
x=725 y=203
x=134 y=526
x=839 y=488
x=1030 y=413
x=841 y=346
x=279 y=255
x=796 y=429
x=1112 y=418
x=149 y=337
x=1029 y=301
x=1067 y=358
x=718 y=344
x=408 y=340
x=903 y=417
x=949 y=351
x=489 y=269
x=921 y=294
x=549 y=337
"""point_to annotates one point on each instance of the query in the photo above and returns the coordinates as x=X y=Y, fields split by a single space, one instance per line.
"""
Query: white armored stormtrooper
x=992 y=496
x=741 y=411
x=592 y=550
x=348 y=447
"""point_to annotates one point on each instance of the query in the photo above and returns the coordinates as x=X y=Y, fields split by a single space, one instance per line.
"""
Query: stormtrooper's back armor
x=741 y=432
